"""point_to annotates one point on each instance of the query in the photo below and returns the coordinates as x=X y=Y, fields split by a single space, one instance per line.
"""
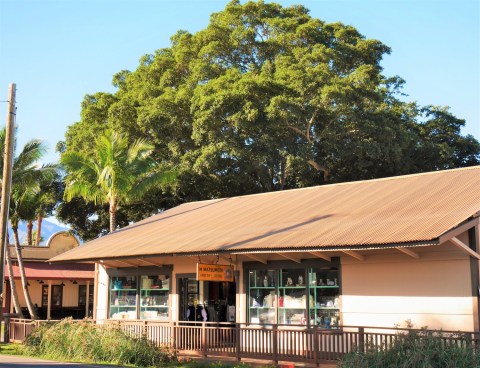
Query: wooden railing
x=267 y=342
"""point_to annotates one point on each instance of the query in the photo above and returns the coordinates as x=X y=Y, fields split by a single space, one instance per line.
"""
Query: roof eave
x=332 y=248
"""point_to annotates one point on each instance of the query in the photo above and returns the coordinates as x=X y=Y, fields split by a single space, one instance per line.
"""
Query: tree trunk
x=13 y=286
x=18 y=249
x=113 y=215
x=283 y=173
x=29 y=232
x=38 y=238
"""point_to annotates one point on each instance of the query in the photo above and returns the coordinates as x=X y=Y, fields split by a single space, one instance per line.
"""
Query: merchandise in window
x=294 y=296
x=262 y=296
x=123 y=297
x=154 y=297
x=324 y=297
x=139 y=297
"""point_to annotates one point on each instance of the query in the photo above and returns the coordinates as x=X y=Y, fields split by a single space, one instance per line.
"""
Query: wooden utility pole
x=6 y=185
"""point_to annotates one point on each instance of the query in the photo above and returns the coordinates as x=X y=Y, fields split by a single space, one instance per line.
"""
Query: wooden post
x=173 y=333
x=204 y=340
x=7 y=182
x=315 y=345
x=49 y=300
x=274 y=342
x=237 y=342
x=87 y=299
x=6 y=330
x=361 y=339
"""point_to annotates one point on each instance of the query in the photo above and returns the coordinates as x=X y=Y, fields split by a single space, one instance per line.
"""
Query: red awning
x=46 y=271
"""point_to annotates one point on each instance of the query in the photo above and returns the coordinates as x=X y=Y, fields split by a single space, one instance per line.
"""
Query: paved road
x=13 y=361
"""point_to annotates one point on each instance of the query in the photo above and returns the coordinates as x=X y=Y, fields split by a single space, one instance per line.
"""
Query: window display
x=294 y=296
x=154 y=297
x=123 y=297
x=262 y=296
x=324 y=297
x=292 y=300
x=139 y=297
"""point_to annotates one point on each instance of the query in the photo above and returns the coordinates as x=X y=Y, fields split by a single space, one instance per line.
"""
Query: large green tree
x=267 y=97
x=117 y=173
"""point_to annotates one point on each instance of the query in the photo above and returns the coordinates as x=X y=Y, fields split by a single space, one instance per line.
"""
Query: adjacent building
x=57 y=290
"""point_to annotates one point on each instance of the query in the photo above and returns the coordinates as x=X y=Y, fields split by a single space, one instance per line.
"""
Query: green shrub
x=416 y=349
x=89 y=342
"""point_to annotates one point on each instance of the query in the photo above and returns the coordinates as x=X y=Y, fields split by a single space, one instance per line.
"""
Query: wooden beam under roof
x=150 y=262
x=458 y=230
x=290 y=257
x=108 y=264
x=321 y=255
x=126 y=262
x=255 y=257
x=354 y=254
x=464 y=247
x=408 y=252
x=226 y=260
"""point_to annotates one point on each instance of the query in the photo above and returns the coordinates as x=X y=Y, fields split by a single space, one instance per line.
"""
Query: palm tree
x=13 y=286
x=20 y=204
x=117 y=173
x=45 y=202
x=26 y=178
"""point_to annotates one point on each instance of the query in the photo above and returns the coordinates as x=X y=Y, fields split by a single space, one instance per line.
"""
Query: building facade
x=57 y=290
x=383 y=253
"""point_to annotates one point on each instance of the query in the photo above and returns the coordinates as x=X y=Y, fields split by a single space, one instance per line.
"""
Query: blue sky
x=58 y=51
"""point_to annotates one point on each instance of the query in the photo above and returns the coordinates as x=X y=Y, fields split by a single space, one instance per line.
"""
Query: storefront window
x=154 y=292
x=123 y=297
x=324 y=297
x=292 y=300
x=139 y=297
x=262 y=296
x=294 y=296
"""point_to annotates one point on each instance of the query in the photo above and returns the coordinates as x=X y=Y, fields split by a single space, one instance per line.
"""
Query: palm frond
x=149 y=181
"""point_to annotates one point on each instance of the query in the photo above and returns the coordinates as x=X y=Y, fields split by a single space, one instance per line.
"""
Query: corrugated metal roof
x=45 y=271
x=403 y=209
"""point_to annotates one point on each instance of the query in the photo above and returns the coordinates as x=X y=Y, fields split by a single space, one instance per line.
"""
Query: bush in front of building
x=85 y=341
x=417 y=349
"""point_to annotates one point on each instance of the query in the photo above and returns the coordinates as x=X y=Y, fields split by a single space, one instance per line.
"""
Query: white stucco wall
x=389 y=288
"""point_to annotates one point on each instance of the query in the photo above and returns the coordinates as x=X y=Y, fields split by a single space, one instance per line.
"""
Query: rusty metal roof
x=399 y=210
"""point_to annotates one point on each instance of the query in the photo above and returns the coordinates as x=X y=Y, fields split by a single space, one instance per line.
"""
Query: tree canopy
x=266 y=98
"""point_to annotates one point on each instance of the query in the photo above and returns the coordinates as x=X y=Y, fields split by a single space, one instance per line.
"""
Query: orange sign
x=215 y=272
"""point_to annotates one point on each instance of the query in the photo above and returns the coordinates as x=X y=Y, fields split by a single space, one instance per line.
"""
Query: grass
x=11 y=349
x=85 y=342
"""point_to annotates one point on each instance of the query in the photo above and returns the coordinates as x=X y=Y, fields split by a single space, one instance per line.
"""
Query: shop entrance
x=206 y=301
